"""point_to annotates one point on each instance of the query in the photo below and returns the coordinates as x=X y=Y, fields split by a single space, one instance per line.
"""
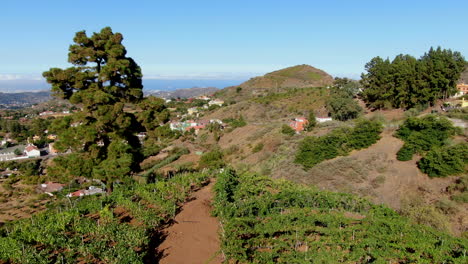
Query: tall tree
x=101 y=81
x=407 y=82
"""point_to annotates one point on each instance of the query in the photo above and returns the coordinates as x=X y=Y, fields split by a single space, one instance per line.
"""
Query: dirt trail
x=194 y=236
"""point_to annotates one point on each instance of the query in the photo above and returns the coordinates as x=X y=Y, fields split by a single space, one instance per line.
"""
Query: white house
x=323 y=119
x=192 y=110
x=32 y=151
x=216 y=102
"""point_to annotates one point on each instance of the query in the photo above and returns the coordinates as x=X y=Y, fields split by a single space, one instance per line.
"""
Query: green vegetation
x=441 y=162
x=341 y=104
x=212 y=159
x=312 y=122
x=423 y=134
x=271 y=221
x=348 y=86
x=407 y=82
x=235 y=122
x=177 y=153
x=339 y=142
x=102 y=136
x=108 y=229
x=257 y=148
x=298 y=72
x=287 y=130
x=458 y=113
x=314 y=93
x=428 y=136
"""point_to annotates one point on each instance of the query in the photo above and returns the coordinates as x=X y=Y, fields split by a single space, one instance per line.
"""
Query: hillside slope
x=299 y=76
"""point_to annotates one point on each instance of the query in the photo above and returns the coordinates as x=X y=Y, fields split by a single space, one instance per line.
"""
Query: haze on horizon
x=199 y=43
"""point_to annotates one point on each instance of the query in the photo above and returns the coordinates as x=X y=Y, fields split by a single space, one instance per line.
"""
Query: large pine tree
x=101 y=81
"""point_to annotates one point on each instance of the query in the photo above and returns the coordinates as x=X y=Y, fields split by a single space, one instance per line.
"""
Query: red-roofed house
x=298 y=124
x=32 y=151
x=77 y=193
x=51 y=187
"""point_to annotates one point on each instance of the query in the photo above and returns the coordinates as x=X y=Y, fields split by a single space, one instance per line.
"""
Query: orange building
x=462 y=88
x=298 y=124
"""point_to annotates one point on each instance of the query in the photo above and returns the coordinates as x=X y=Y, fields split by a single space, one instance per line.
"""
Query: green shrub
x=212 y=159
x=312 y=122
x=405 y=153
x=343 y=108
x=441 y=162
x=257 y=148
x=287 y=130
x=423 y=134
x=277 y=221
x=364 y=134
x=313 y=150
x=461 y=197
x=234 y=123
x=339 y=142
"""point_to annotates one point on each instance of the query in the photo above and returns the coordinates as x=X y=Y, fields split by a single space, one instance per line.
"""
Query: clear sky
x=236 y=39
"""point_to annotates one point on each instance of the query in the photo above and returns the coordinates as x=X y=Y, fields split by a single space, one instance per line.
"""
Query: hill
x=299 y=76
x=17 y=100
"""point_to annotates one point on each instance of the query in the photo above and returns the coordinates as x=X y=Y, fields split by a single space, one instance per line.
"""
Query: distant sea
x=15 y=86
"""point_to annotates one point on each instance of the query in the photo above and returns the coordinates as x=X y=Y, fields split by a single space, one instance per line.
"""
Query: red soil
x=194 y=236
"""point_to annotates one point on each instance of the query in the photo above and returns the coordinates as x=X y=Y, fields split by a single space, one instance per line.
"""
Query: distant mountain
x=183 y=93
x=300 y=76
x=17 y=100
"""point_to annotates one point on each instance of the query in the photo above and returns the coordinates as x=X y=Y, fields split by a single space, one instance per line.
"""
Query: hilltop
x=299 y=76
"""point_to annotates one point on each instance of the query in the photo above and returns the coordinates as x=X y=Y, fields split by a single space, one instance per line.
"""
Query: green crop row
x=113 y=228
x=276 y=221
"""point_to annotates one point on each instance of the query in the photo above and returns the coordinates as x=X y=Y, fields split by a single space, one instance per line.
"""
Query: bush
x=287 y=130
x=240 y=122
x=17 y=152
x=257 y=148
x=423 y=134
x=461 y=198
x=212 y=159
x=313 y=150
x=342 y=108
x=445 y=161
x=312 y=122
x=405 y=153
x=364 y=134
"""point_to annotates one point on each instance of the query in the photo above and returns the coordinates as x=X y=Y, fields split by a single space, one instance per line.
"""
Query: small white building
x=216 y=102
x=46 y=113
x=32 y=151
x=323 y=119
x=192 y=110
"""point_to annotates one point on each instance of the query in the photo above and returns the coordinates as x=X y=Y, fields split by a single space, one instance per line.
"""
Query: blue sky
x=230 y=39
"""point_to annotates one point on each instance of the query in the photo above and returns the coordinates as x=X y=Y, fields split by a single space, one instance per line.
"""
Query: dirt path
x=194 y=236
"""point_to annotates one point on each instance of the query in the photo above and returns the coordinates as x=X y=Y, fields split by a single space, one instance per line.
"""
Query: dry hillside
x=464 y=76
x=299 y=76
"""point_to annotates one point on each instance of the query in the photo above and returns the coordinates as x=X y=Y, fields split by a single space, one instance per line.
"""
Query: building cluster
x=30 y=151
x=52 y=113
x=299 y=124
x=195 y=125
x=85 y=192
